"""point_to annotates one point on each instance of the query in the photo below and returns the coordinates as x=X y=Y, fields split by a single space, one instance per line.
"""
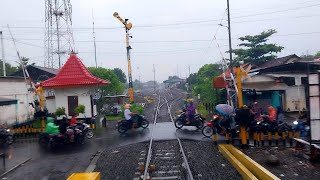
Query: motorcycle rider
x=128 y=115
x=272 y=114
x=191 y=110
x=51 y=128
x=63 y=125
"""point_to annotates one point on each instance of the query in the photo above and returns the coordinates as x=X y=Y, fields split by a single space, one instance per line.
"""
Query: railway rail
x=165 y=160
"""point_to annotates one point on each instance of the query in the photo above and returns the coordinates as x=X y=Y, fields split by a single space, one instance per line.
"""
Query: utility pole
x=94 y=41
x=229 y=29
x=3 y=60
x=154 y=79
x=127 y=26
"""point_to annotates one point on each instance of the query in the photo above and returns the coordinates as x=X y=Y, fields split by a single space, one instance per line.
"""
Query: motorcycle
x=216 y=125
x=181 y=120
x=85 y=128
x=54 y=140
x=5 y=136
x=302 y=126
x=124 y=125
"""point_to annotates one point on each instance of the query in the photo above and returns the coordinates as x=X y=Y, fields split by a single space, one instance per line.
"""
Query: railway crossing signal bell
x=127 y=26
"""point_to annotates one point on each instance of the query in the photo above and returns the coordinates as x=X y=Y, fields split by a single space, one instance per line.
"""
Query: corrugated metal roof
x=73 y=74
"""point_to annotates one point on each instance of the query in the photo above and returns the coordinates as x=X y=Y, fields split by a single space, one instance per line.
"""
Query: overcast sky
x=172 y=34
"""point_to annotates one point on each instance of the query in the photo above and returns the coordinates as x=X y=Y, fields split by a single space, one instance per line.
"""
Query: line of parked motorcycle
x=80 y=131
x=222 y=124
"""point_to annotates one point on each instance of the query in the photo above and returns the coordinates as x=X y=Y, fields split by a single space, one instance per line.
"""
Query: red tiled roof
x=73 y=74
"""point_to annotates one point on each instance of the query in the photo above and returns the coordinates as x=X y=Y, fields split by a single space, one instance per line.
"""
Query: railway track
x=166 y=159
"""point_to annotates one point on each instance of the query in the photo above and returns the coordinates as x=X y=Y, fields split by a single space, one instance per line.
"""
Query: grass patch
x=114 y=118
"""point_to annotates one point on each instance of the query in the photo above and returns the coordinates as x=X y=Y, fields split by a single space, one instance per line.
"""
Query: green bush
x=80 y=109
x=60 y=111
x=202 y=110
x=135 y=108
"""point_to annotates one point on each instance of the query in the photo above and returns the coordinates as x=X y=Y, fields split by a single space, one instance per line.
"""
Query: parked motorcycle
x=54 y=140
x=85 y=128
x=181 y=120
x=302 y=126
x=217 y=125
x=124 y=125
x=5 y=136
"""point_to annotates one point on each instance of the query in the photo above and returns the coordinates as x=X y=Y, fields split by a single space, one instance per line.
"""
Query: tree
x=116 y=87
x=317 y=54
x=256 y=50
x=192 y=79
x=120 y=74
x=9 y=69
x=24 y=60
x=203 y=84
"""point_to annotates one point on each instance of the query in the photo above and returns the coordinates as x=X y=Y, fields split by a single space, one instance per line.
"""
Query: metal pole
x=127 y=27
x=154 y=79
x=58 y=34
x=94 y=41
x=229 y=28
x=3 y=60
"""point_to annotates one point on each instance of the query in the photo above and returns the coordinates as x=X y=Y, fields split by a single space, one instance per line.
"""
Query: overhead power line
x=179 y=23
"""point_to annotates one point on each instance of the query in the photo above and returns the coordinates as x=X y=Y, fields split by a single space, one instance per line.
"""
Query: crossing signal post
x=239 y=75
x=127 y=26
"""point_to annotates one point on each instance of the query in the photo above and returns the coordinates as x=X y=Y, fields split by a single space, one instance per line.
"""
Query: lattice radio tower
x=58 y=34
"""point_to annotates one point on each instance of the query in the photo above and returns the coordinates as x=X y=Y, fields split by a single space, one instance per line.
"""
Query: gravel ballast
x=290 y=166
x=206 y=162
x=120 y=162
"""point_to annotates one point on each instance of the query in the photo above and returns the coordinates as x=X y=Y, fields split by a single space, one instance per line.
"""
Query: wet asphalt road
x=60 y=163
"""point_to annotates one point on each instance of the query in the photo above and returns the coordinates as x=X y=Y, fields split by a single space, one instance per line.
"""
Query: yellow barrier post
x=276 y=137
x=258 y=139
x=262 y=138
x=270 y=138
x=243 y=136
x=43 y=124
x=291 y=138
x=284 y=138
x=215 y=137
x=248 y=137
x=227 y=137
x=255 y=138
x=297 y=134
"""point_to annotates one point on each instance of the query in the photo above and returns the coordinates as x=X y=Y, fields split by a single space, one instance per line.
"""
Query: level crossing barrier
x=259 y=138
x=33 y=128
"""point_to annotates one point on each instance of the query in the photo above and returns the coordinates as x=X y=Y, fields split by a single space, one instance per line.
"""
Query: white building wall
x=15 y=88
x=295 y=98
x=51 y=105
x=61 y=99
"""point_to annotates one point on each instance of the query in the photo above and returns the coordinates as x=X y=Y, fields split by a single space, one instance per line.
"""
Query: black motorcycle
x=53 y=140
x=181 y=120
x=5 y=136
x=124 y=125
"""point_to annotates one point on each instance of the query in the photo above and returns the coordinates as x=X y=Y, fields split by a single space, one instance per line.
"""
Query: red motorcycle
x=219 y=125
